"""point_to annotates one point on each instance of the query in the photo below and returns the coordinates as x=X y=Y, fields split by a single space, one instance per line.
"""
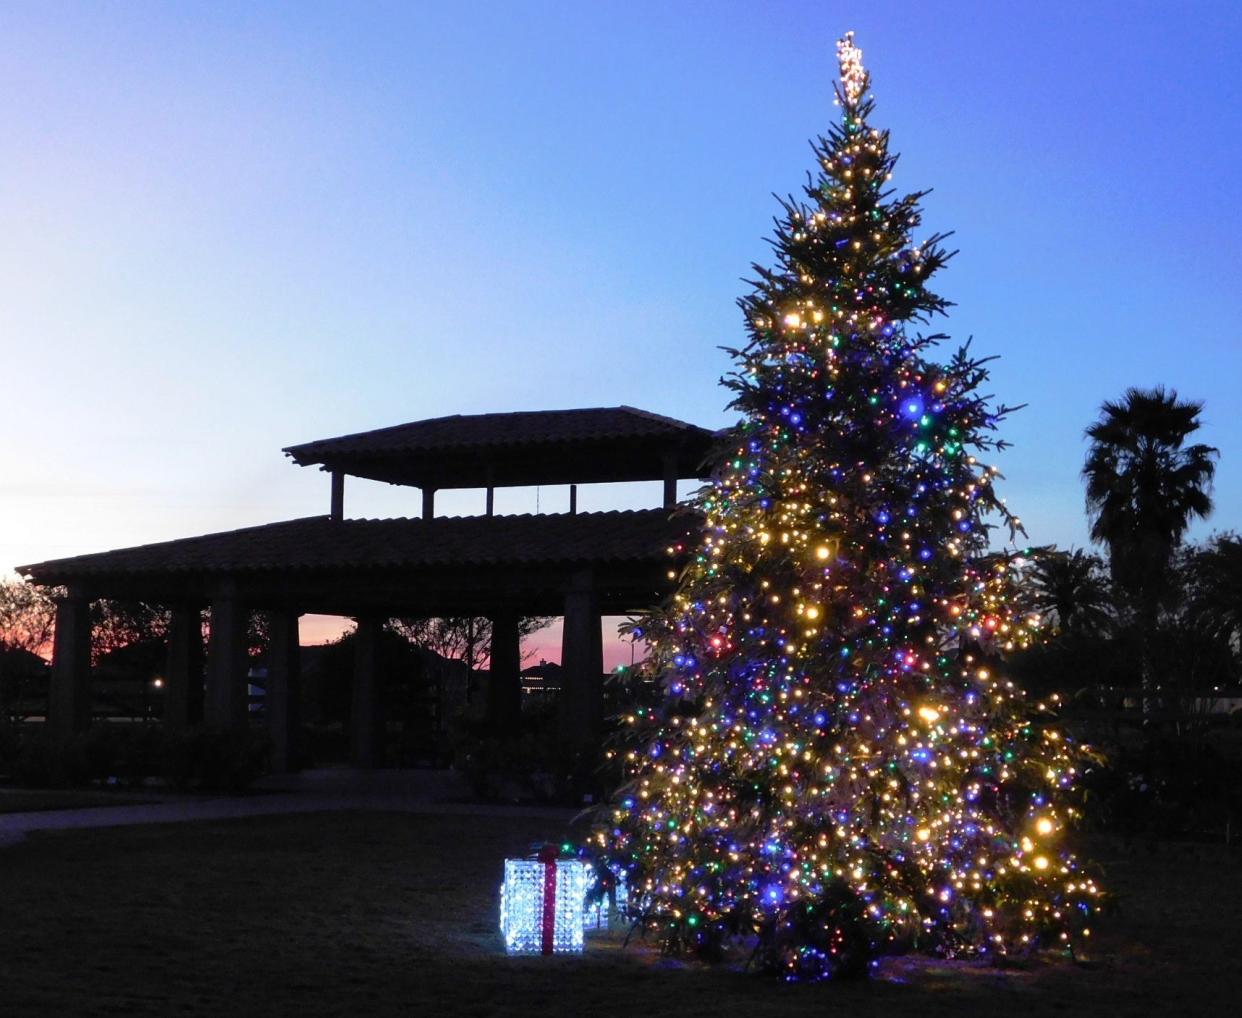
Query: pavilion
x=577 y=565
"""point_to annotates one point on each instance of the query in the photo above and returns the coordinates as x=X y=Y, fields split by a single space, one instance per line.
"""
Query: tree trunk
x=1151 y=701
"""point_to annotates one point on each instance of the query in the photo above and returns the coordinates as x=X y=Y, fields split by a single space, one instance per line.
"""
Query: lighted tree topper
x=839 y=768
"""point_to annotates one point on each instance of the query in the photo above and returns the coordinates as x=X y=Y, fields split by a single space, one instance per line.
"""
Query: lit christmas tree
x=839 y=769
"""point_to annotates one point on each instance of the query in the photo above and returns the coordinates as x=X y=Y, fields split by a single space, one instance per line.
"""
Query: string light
x=853 y=76
x=840 y=767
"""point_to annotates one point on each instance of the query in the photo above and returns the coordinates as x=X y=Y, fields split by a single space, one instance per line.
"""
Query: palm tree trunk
x=1148 y=615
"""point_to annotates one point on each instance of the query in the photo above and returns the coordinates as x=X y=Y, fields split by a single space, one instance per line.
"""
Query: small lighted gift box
x=541 y=903
x=602 y=904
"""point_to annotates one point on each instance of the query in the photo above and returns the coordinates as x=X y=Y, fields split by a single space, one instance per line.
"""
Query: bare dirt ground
x=381 y=914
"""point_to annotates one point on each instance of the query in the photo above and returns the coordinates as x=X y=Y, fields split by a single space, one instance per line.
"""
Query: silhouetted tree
x=27 y=616
x=1070 y=590
x=116 y=624
x=459 y=638
x=27 y=620
x=1144 y=487
x=1214 y=581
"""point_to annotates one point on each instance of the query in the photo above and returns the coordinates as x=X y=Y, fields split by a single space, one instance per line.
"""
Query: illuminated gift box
x=541 y=904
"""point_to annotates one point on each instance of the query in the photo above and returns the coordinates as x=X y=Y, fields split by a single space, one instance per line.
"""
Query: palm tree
x=1215 y=581
x=1144 y=487
x=1071 y=590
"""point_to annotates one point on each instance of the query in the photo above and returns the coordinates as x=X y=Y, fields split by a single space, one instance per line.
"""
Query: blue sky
x=233 y=227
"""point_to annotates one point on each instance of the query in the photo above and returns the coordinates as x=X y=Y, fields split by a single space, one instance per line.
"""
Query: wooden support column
x=573 y=499
x=227 y=703
x=582 y=661
x=283 y=689
x=338 y=495
x=364 y=720
x=670 y=480
x=429 y=503
x=69 y=695
x=183 y=669
x=504 y=689
x=491 y=501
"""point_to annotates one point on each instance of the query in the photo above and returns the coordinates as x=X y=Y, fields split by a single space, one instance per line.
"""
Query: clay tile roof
x=470 y=432
x=589 y=446
x=322 y=544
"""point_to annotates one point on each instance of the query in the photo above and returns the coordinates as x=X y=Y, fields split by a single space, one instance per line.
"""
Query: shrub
x=213 y=760
x=529 y=761
x=203 y=759
x=1167 y=787
x=230 y=761
x=51 y=763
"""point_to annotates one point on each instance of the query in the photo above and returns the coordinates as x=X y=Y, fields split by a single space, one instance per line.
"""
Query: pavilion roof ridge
x=639 y=537
x=302 y=521
x=584 y=445
x=32 y=567
x=661 y=418
x=371 y=440
x=290 y=450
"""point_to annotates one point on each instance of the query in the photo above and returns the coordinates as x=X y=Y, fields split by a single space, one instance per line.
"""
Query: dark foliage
x=1170 y=787
x=131 y=755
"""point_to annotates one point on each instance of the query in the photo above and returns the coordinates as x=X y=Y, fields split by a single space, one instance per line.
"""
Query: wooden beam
x=69 y=695
x=284 y=685
x=582 y=658
x=227 y=704
x=364 y=721
x=573 y=499
x=504 y=690
x=491 y=501
x=183 y=669
x=416 y=592
x=429 y=503
x=338 y=495
x=670 y=480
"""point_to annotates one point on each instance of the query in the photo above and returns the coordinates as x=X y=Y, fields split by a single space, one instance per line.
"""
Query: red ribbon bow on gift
x=547 y=856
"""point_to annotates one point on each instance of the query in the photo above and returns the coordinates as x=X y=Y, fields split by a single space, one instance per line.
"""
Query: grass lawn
x=392 y=914
x=24 y=800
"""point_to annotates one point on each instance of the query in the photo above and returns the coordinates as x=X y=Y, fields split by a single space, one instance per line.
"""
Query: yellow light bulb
x=1044 y=825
